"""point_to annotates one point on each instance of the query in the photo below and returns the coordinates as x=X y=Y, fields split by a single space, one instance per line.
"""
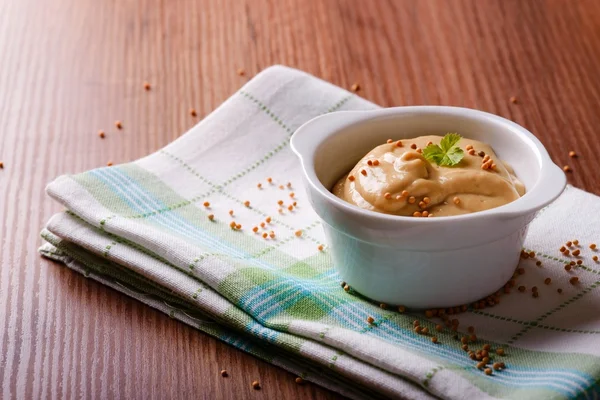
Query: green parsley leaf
x=447 y=153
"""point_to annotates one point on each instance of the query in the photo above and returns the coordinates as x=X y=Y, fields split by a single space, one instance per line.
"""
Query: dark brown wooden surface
x=71 y=67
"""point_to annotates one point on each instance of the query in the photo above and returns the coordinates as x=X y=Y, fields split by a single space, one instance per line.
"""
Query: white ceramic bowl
x=422 y=262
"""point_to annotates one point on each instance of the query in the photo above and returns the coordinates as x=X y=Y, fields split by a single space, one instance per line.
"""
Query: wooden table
x=71 y=67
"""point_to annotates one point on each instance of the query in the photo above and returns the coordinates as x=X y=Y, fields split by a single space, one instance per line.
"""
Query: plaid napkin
x=143 y=229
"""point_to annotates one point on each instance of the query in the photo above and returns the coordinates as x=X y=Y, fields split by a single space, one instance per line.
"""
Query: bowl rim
x=549 y=185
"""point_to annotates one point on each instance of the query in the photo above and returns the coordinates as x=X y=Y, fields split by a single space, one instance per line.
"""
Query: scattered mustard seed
x=439 y=328
x=576 y=252
x=568 y=267
x=401 y=309
x=389 y=141
x=280 y=202
x=522 y=288
x=434 y=339
x=417 y=214
x=425 y=330
x=429 y=313
x=535 y=294
x=259 y=185
x=147 y=85
x=265 y=235
x=101 y=134
x=299 y=381
x=256 y=385
x=224 y=373
x=351 y=178
x=488 y=371
x=290 y=207
x=569 y=243
x=281 y=187
x=1 y=165
x=387 y=195
x=572 y=154
x=206 y=204
x=480 y=365
x=566 y=168
x=496 y=366
x=119 y=124
x=211 y=217
x=355 y=87
x=370 y=320
x=109 y=164
x=563 y=249
x=255 y=229
x=241 y=72
x=413 y=146
x=412 y=199
x=548 y=281
x=193 y=112
x=376 y=162
x=500 y=351
x=456 y=200
x=595 y=258
x=364 y=172
x=532 y=254
x=231 y=212
x=320 y=247
x=272 y=235
x=521 y=270
x=576 y=242
x=346 y=288
x=383 y=306
x=298 y=233
x=559 y=290
x=268 y=220
x=399 y=143
x=538 y=263
x=416 y=322
x=270 y=180
x=513 y=100
x=574 y=280
x=593 y=246
x=579 y=262
x=487 y=347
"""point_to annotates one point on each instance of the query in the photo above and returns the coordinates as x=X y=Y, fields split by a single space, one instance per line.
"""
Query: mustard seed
x=532 y=254
x=593 y=246
x=481 y=154
x=429 y=313
x=351 y=178
x=389 y=141
x=576 y=242
x=417 y=214
x=487 y=347
x=146 y=85
x=290 y=207
x=231 y=212
x=299 y=381
x=404 y=193
x=256 y=385
x=1 y=165
x=255 y=229
x=572 y=154
x=434 y=339
x=383 y=306
x=298 y=233
x=413 y=146
x=534 y=289
x=211 y=217
x=369 y=162
x=500 y=351
x=320 y=247
x=488 y=371
x=262 y=225
x=247 y=203
x=268 y=220
x=471 y=152
x=465 y=347
x=485 y=360
x=480 y=365
x=422 y=204
x=538 y=263
x=375 y=162
x=535 y=295
x=101 y=134
x=568 y=267
x=109 y=164
x=521 y=270
x=425 y=330
x=241 y=72
x=513 y=100
x=595 y=258
x=346 y=288
x=399 y=144
x=232 y=224
x=471 y=329
x=259 y=185
x=579 y=262
x=119 y=124
x=270 y=180
x=559 y=290
x=548 y=281
x=412 y=199
x=572 y=263
x=426 y=213
x=522 y=288
x=265 y=235
x=387 y=195
x=281 y=187
x=569 y=243
x=401 y=309
x=224 y=373
x=576 y=252
x=439 y=328
x=566 y=168
x=370 y=320
x=456 y=200
x=574 y=280
x=355 y=87
x=472 y=356
x=563 y=249
x=362 y=171
x=272 y=235
x=416 y=322
x=464 y=340
x=417 y=329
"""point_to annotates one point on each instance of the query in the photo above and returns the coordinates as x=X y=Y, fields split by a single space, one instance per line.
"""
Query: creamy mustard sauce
x=392 y=171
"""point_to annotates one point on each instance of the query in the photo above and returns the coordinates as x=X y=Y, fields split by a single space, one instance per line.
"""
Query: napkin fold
x=145 y=229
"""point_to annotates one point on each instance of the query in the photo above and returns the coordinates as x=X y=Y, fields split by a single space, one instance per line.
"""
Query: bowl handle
x=547 y=189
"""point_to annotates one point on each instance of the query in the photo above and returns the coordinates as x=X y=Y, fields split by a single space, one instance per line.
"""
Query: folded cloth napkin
x=146 y=229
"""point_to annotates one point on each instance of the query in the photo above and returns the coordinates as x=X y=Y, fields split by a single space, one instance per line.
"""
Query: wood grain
x=71 y=67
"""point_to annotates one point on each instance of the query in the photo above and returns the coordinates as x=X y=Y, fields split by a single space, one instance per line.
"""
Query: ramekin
x=422 y=262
